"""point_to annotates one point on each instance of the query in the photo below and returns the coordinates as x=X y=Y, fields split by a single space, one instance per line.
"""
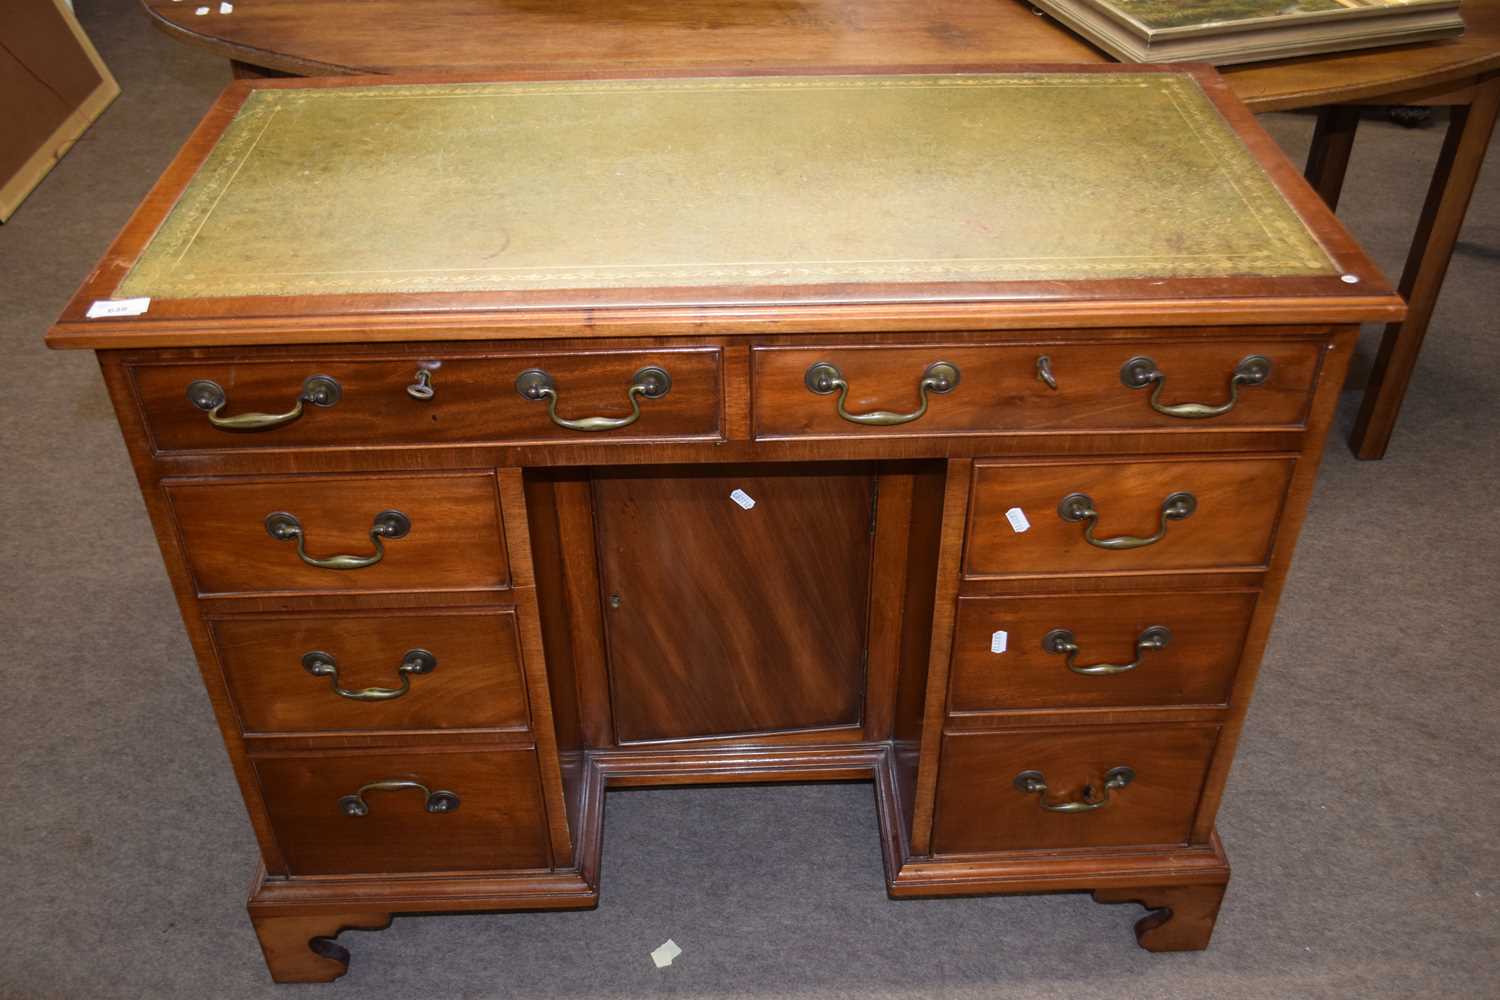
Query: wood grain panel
x=477 y=682
x=952 y=513
x=474 y=399
x=730 y=620
x=498 y=824
x=999 y=389
x=455 y=539
x=1194 y=668
x=979 y=808
x=1238 y=503
x=388 y=36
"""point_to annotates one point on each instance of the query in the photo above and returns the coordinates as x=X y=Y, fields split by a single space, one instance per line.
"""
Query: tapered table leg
x=1328 y=157
x=1453 y=182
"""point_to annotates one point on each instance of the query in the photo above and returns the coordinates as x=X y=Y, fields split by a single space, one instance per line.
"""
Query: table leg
x=1453 y=182
x=250 y=71
x=1328 y=158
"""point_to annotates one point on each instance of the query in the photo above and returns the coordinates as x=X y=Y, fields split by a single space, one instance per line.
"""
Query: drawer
x=999 y=388
x=1232 y=507
x=989 y=799
x=387 y=671
x=452 y=537
x=432 y=811
x=358 y=402
x=1127 y=649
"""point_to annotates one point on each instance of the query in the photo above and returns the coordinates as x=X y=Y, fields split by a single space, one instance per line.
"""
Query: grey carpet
x=1361 y=818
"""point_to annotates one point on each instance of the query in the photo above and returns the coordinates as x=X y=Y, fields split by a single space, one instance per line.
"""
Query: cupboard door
x=725 y=617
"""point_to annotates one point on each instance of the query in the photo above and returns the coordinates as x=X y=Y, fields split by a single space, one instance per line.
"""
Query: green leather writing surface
x=724 y=181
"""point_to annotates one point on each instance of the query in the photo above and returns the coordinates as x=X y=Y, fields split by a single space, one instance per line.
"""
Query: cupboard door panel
x=723 y=619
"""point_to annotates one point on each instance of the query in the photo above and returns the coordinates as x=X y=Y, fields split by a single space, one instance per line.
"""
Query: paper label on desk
x=663 y=956
x=745 y=500
x=1017 y=518
x=118 y=307
x=998 y=640
x=226 y=8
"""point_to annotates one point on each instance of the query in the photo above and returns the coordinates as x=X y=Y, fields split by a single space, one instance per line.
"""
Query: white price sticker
x=742 y=498
x=1017 y=518
x=118 y=307
x=998 y=639
x=664 y=955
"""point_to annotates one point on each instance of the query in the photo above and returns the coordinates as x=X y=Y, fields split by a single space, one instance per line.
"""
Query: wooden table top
x=319 y=37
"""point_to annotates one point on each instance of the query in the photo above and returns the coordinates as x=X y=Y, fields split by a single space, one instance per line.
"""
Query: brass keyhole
x=615 y=601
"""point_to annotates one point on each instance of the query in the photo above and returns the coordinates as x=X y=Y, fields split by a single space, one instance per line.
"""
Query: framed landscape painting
x=1231 y=31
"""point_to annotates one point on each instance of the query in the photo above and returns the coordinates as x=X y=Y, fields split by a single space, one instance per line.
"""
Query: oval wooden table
x=318 y=37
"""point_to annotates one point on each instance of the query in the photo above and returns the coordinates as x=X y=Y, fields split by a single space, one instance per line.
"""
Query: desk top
x=623 y=184
x=728 y=191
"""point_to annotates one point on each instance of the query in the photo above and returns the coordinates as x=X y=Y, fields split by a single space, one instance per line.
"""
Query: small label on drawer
x=998 y=641
x=742 y=498
x=1017 y=518
x=118 y=307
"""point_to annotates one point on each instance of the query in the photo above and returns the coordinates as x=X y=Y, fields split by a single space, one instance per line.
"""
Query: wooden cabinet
x=636 y=447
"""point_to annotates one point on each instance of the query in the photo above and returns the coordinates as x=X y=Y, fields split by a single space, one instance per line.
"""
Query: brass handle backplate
x=390 y=524
x=1139 y=372
x=209 y=396
x=1062 y=641
x=1034 y=783
x=648 y=383
x=440 y=801
x=1078 y=507
x=823 y=379
x=413 y=661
